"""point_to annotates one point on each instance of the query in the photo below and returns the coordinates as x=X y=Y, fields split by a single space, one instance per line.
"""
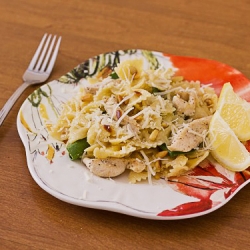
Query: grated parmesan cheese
x=124 y=112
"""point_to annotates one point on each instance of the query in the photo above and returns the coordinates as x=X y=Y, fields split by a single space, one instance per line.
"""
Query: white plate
x=201 y=192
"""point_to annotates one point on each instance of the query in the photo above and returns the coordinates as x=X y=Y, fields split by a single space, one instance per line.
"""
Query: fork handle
x=9 y=104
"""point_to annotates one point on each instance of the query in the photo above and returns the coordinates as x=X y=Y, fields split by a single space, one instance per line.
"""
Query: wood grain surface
x=30 y=218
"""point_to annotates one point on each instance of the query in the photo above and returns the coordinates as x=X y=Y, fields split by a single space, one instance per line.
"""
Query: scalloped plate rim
x=107 y=205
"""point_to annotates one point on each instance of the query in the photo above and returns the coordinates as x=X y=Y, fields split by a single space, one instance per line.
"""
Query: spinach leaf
x=77 y=148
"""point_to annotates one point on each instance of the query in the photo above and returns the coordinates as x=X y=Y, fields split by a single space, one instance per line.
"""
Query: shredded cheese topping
x=119 y=116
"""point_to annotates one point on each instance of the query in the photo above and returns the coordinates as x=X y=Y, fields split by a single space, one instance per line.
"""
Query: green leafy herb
x=155 y=90
x=113 y=75
x=77 y=148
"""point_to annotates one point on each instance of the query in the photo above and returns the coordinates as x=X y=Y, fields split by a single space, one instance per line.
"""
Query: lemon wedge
x=235 y=111
x=226 y=148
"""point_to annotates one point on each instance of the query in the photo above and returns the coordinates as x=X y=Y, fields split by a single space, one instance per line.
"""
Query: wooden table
x=30 y=218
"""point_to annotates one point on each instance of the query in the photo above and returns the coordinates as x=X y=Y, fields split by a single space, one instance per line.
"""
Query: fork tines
x=46 y=47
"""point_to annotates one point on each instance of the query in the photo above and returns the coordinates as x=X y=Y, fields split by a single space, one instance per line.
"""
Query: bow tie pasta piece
x=129 y=69
x=113 y=151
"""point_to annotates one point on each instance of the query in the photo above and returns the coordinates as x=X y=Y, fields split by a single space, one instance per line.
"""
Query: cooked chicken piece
x=190 y=136
x=184 y=102
x=136 y=165
x=105 y=167
x=112 y=167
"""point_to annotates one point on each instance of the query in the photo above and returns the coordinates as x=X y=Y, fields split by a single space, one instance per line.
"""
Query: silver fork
x=38 y=71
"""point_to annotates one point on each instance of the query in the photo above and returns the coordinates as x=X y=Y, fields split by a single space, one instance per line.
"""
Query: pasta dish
x=148 y=122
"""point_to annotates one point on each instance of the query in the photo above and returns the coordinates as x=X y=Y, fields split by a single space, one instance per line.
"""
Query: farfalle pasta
x=136 y=115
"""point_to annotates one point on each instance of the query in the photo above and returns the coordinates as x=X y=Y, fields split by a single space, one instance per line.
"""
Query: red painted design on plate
x=203 y=183
x=209 y=71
